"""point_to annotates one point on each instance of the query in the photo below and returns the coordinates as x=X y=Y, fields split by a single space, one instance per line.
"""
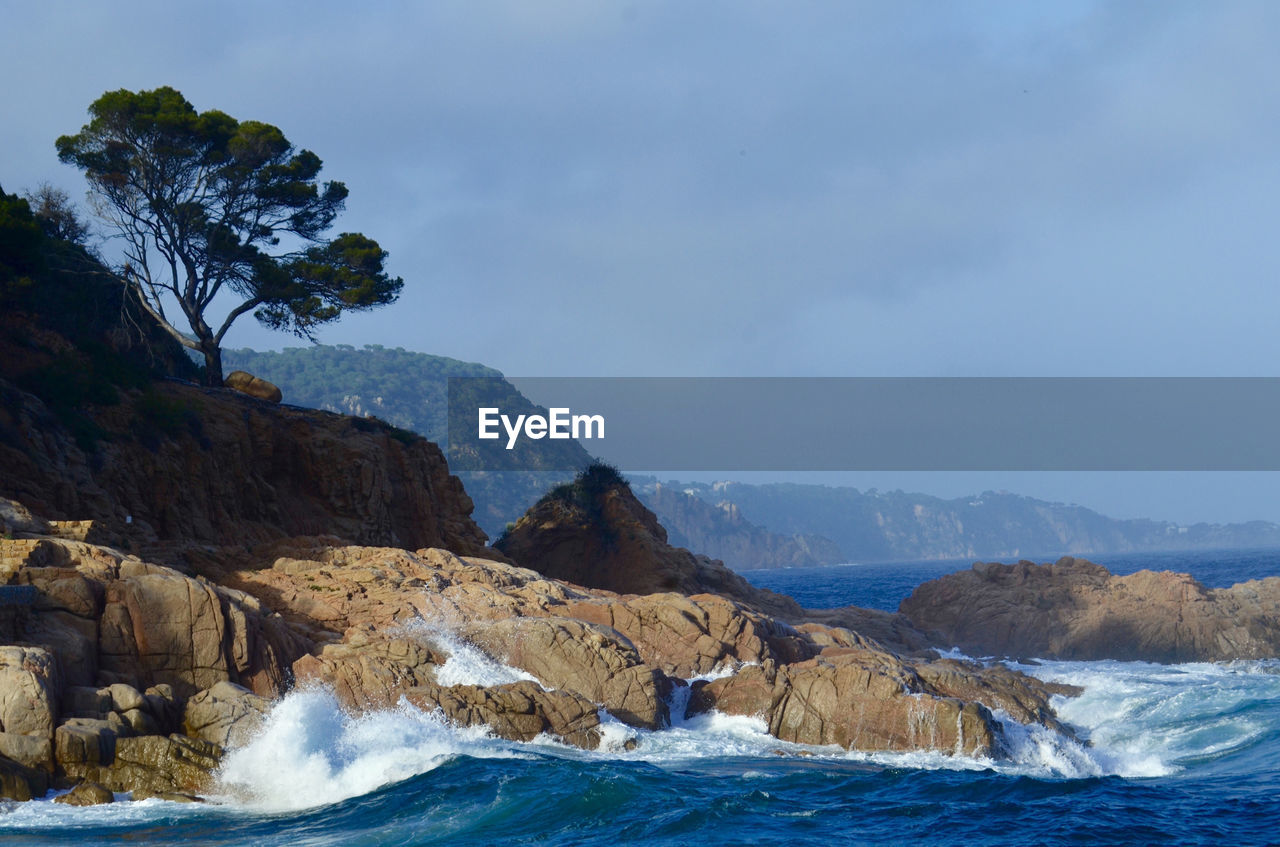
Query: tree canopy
x=207 y=205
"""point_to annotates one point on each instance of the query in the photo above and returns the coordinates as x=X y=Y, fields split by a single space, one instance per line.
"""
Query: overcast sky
x=752 y=188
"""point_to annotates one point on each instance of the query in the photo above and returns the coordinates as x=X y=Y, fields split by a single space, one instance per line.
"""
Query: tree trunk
x=212 y=364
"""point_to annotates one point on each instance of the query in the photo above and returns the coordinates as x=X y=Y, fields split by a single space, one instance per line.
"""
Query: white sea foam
x=309 y=752
x=1135 y=719
x=1153 y=720
x=469 y=665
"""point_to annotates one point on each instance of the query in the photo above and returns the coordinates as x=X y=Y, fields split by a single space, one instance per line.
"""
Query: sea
x=1168 y=754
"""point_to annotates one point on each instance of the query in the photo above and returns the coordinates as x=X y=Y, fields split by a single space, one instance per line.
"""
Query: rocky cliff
x=135 y=675
x=1074 y=609
x=175 y=461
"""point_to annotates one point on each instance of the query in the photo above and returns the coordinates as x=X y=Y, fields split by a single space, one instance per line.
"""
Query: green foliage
x=234 y=207
x=587 y=488
x=21 y=240
x=407 y=390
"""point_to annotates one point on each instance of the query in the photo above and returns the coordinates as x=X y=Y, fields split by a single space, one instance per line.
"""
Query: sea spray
x=467 y=664
x=309 y=752
x=1145 y=720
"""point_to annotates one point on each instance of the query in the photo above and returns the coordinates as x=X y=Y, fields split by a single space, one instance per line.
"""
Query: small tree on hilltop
x=208 y=205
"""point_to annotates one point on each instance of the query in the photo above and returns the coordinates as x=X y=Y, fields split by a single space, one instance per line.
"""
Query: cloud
x=733 y=187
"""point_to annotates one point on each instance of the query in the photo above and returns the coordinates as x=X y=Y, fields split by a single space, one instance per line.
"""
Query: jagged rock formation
x=111 y=694
x=595 y=532
x=1074 y=609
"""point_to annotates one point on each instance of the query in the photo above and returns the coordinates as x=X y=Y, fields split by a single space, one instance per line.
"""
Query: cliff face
x=721 y=532
x=216 y=466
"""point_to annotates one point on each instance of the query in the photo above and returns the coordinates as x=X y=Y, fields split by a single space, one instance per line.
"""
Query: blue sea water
x=1185 y=754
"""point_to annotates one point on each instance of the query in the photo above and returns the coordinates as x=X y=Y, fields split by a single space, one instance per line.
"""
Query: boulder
x=86 y=794
x=519 y=711
x=29 y=691
x=247 y=383
x=83 y=742
x=16 y=518
x=591 y=660
x=857 y=700
x=686 y=636
x=124 y=697
x=162 y=626
x=226 y=714
x=155 y=764
x=31 y=751
x=370 y=673
x=595 y=532
x=21 y=783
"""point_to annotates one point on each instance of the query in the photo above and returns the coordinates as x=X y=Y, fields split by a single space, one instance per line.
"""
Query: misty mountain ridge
x=746 y=525
x=885 y=526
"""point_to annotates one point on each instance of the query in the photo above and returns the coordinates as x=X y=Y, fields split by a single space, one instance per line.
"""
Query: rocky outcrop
x=86 y=794
x=226 y=714
x=151 y=764
x=1074 y=609
x=247 y=383
x=861 y=700
x=585 y=658
x=136 y=675
x=180 y=462
x=517 y=711
x=594 y=532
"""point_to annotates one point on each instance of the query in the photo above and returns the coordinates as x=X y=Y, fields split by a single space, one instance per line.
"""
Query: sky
x=590 y=188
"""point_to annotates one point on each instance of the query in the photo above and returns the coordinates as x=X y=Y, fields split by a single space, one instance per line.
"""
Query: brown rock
x=29 y=691
x=686 y=636
x=593 y=661
x=16 y=518
x=370 y=673
x=859 y=700
x=155 y=764
x=1074 y=609
x=82 y=742
x=21 y=783
x=518 y=711
x=594 y=532
x=226 y=714
x=247 y=383
x=86 y=794
x=125 y=697
x=30 y=751
x=237 y=469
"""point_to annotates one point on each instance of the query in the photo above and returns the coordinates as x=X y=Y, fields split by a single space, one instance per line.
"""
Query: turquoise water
x=1185 y=754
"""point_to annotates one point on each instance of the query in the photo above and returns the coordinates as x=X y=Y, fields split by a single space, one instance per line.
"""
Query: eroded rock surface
x=1074 y=609
x=137 y=674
